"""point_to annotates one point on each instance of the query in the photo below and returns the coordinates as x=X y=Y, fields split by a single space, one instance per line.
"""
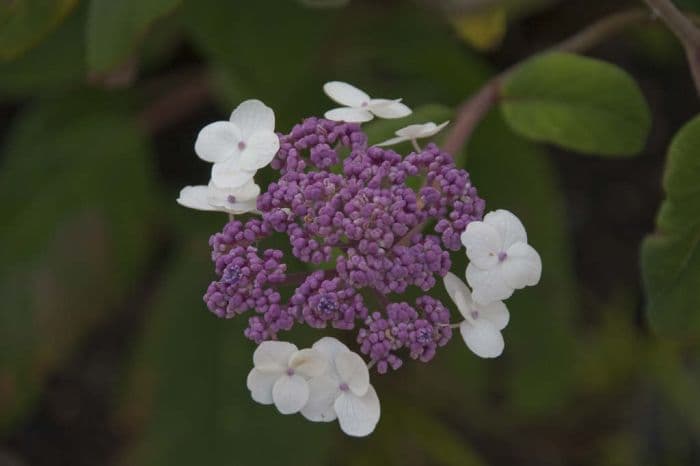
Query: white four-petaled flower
x=343 y=391
x=482 y=325
x=500 y=260
x=240 y=146
x=360 y=107
x=233 y=201
x=414 y=132
x=281 y=375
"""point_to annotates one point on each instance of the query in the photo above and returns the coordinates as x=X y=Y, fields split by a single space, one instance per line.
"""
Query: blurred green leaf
x=57 y=62
x=114 y=28
x=483 y=29
x=188 y=398
x=78 y=202
x=24 y=23
x=512 y=174
x=578 y=103
x=671 y=256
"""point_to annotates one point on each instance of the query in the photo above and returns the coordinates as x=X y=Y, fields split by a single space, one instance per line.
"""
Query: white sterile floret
x=281 y=375
x=501 y=261
x=360 y=107
x=212 y=198
x=240 y=146
x=414 y=132
x=343 y=391
x=482 y=325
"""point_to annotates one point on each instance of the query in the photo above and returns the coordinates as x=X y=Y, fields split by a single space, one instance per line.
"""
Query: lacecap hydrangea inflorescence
x=369 y=223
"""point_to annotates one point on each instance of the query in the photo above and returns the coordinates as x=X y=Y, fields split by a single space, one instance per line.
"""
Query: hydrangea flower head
x=369 y=224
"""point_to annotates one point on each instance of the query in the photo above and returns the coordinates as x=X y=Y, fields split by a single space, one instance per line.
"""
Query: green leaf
x=24 y=23
x=115 y=28
x=188 y=399
x=671 y=256
x=76 y=213
x=577 y=103
x=57 y=62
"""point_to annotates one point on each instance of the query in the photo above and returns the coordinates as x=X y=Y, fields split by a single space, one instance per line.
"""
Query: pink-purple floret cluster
x=351 y=213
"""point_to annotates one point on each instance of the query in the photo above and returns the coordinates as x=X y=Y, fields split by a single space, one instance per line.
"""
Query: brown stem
x=474 y=109
x=190 y=92
x=685 y=31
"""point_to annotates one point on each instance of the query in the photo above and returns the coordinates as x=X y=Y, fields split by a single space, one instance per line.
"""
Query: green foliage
x=577 y=103
x=114 y=28
x=671 y=256
x=55 y=63
x=23 y=23
x=74 y=236
x=188 y=398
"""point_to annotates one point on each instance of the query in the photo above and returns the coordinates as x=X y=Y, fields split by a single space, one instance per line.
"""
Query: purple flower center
x=241 y=145
x=231 y=275
x=327 y=305
x=231 y=199
x=502 y=256
x=475 y=315
x=425 y=335
x=343 y=387
x=290 y=371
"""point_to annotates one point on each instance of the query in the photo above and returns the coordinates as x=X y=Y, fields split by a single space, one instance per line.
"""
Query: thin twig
x=473 y=110
x=684 y=29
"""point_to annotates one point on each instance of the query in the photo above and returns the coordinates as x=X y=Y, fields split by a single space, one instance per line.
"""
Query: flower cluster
x=370 y=224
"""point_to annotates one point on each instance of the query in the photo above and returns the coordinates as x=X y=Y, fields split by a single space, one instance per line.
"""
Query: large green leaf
x=76 y=213
x=115 y=28
x=671 y=256
x=577 y=103
x=188 y=399
x=57 y=62
x=24 y=23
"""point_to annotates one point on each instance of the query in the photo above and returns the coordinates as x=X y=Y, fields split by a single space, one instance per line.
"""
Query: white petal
x=237 y=208
x=508 y=226
x=487 y=285
x=260 y=149
x=522 y=267
x=482 y=338
x=195 y=197
x=273 y=355
x=353 y=371
x=251 y=116
x=483 y=244
x=358 y=416
x=345 y=94
x=384 y=108
x=290 y=393
x=308 y=362
x=459 y=292
x=323 y=391
x=414 y=131
x=260 y=385
x=427 y=132
x=496 y=313
x=330 y=347
x=392 y=141
x=248 y=191
x=351 y=115
x=217 y=141
x=229 y=174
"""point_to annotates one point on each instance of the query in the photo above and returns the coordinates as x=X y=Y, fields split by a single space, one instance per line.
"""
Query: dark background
x=109 y=356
